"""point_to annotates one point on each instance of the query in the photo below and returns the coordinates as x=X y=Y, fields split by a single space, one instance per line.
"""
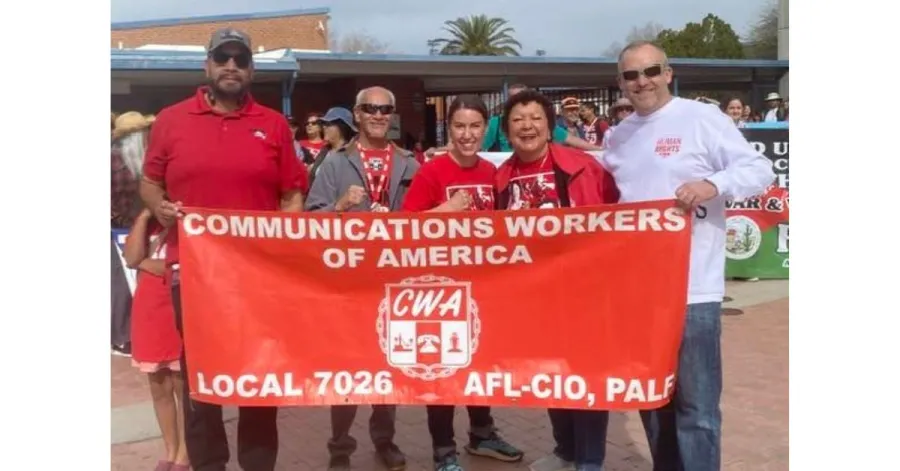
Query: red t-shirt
x=533 y=185
x=240 y=160
x=438 y=179
x=377 y=172
x=593 y=132
x=312 y=147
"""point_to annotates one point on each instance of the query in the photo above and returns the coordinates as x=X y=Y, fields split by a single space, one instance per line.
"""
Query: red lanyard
x=376 y=191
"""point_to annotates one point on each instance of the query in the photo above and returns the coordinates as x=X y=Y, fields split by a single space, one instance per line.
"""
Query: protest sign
x=756 y=229
x=577 y=307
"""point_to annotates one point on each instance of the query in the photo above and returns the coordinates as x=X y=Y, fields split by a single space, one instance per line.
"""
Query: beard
x=231 y=93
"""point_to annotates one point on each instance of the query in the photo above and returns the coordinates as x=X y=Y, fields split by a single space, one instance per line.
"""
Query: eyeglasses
x=369 y=108
x=241 y=60
x=313 y=123
x=649 y=72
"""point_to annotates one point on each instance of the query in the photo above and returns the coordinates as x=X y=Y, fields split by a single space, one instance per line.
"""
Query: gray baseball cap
x=340 y=114
x=229 y=35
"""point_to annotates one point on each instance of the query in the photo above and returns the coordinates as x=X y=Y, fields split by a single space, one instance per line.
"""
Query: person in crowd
x=699 y=157
x=734 y=108
x=756 y=117
x=619 y=111
x=221 y=149
x=315 y=138
x=542 y=174
x=571 y=117
x=594 y=126
x=776 y=109
x=129 y=138
x=746 y=113
x=367 y=174
x=460 y=180
x=786 y=110
x=338 y=130
x=295 y=131
x=418 y=146
x=156 y=344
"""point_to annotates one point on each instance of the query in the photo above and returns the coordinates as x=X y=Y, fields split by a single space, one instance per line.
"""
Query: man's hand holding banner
x=573 y=308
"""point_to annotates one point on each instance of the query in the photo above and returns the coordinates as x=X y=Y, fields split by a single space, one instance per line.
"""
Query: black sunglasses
x=241 y=59
x=369 y=108
x=649 y=72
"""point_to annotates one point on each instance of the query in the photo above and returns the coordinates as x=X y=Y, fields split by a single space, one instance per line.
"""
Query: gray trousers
x=121 y=301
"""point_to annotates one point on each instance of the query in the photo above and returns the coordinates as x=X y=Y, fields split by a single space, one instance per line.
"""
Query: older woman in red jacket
x=544 y=175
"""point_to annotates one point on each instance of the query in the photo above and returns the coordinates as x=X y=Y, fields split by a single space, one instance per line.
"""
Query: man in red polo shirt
x=221 y=149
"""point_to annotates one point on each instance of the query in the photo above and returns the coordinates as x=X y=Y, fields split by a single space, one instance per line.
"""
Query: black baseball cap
x=229 y=35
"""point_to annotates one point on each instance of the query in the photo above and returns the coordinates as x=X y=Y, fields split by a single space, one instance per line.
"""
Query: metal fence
x=602 y=97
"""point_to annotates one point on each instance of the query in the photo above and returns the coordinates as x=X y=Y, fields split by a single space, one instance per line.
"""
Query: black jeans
x=440 y=425
x=381 y=428
x=204 y=429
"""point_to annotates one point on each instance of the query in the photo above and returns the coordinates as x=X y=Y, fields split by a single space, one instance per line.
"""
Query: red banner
x=575 y=308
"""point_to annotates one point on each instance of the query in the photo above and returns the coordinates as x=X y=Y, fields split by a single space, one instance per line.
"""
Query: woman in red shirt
x=155 y=344
x=460 y=180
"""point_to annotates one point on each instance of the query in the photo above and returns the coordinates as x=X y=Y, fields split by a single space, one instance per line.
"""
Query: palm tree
x=479 y=35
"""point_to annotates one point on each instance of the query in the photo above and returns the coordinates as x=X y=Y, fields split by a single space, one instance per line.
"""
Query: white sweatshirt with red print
x=687 y=141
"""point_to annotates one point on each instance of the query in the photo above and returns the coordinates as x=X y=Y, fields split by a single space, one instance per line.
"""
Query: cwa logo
x=428 y=326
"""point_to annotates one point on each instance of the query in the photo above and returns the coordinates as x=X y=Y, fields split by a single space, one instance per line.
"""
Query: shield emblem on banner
x=428 y=326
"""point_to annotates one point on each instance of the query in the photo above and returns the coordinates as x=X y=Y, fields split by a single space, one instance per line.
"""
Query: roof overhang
x=179 y=67
x=478 y=73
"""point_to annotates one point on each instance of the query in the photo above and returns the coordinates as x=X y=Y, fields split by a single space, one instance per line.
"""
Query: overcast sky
x=562 y=28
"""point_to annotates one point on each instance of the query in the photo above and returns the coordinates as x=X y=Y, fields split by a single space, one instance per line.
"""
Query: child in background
x=156 y=346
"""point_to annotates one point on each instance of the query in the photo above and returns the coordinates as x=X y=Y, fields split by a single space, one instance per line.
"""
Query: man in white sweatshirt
x=687 y=150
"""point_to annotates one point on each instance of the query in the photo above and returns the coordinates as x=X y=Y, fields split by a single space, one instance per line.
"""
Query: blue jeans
x=686 y=434
x=580 y=435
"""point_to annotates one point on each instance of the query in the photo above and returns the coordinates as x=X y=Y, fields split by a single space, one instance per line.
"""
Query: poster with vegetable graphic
x=756 y=229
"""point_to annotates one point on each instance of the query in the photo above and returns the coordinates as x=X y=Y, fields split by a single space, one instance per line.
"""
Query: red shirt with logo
x=533 y=185
x=240 y=160
x=438 y=179
x=594 y=131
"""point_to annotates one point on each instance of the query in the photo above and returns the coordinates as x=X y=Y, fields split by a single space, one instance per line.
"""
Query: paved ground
x=755 y=408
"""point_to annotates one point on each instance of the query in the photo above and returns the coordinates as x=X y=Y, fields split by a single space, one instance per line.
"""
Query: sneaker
x=339 y=463
x=122 y=350
x=552 y=462
x=448 y=463
x=494 y=447
x=392 y=457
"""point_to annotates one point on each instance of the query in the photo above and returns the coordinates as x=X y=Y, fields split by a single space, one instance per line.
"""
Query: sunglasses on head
x=241 y=59
x=369 y=108
x=649 y=72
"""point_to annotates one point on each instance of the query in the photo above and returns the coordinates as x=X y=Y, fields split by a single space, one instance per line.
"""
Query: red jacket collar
x=201 y=106
x=563 y=158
